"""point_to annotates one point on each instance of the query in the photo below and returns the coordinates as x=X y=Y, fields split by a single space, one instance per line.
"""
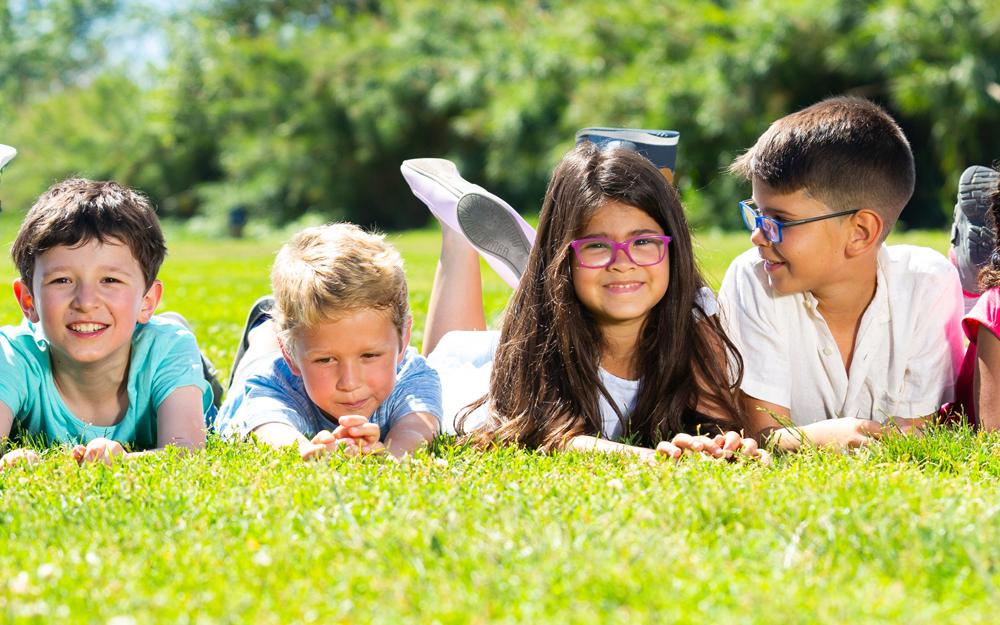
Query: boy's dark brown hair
x=846 y=152
x=76 y=211
x=989 y=277
x=545 y=387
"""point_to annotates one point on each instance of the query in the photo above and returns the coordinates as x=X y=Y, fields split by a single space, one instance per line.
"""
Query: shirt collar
x=37 y=333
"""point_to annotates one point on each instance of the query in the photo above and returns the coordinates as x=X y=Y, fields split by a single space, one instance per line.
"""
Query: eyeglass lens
x=640 y=250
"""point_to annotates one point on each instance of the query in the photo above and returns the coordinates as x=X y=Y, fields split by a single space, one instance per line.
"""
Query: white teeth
x=86 y=328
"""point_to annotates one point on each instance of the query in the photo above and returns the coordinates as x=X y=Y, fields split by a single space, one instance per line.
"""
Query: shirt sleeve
x=178 y=366
x=418 y=389
x=748 y=310
x=984 y=313
x=13 y=377
x=936 y=342
x=263 y=404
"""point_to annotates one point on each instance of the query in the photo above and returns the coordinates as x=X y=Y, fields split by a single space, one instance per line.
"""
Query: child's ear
x=286 y=354
x=150 y=301
x=404 y=340
x=865 y=233
x=25 y=300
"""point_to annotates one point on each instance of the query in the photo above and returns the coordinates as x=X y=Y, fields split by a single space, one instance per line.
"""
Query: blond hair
x=328 y=271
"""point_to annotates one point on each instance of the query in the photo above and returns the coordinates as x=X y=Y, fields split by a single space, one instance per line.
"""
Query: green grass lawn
x=907 y=531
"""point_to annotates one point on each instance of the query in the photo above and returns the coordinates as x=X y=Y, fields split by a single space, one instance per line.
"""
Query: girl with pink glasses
x=610 y=341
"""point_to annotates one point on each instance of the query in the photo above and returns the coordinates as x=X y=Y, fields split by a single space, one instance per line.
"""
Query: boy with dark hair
x=840 y=333
x=90 y=364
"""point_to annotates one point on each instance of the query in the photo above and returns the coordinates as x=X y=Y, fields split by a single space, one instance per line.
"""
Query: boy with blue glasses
x=841 y=335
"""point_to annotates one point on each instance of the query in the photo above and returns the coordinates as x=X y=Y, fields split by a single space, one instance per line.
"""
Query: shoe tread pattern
x=491 y=228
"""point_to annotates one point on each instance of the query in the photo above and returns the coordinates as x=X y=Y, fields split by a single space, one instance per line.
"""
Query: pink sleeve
x=986 y=313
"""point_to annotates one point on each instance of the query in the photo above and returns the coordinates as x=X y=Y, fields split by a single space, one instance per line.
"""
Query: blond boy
x=327 y=363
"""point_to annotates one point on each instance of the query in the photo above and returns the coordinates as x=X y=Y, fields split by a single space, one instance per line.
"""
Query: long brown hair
x=545 y=386
x=989 y=276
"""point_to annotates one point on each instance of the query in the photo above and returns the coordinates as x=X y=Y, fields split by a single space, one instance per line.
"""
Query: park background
x=301 y=112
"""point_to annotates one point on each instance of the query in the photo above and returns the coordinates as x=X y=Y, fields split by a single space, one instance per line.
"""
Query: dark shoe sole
x=489 y=227
x=972 y=237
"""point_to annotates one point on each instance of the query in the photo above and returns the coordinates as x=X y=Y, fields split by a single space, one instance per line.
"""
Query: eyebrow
x=780 y=213
x=633 y=233
x=70 y=268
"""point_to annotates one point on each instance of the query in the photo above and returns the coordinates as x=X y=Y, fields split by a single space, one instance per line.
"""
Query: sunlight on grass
x=905 y=531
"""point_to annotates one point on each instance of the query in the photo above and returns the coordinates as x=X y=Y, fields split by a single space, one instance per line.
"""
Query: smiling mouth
x=86 y=328
x=623 y=287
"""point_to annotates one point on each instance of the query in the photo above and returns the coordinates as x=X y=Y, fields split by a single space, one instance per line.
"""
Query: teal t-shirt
x=164 y=357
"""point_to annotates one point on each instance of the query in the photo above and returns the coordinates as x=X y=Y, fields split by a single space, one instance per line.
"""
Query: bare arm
x=180 y=421
x=603 y=445
x=279 y=435
x=14 y=456
x=986 y=383
x=767 y=421
x=411 y=431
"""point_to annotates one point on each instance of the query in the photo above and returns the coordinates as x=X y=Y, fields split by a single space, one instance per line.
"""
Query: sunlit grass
x=905 y=531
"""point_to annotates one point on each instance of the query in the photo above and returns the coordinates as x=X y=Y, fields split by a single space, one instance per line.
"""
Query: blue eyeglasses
x=771 y=228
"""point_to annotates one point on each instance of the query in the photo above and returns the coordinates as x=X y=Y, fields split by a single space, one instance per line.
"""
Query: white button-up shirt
x=906 y=353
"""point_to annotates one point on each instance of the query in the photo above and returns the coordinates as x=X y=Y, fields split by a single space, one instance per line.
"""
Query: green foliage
x=309 y=106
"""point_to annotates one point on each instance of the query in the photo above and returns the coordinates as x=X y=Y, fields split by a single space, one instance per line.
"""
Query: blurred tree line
x=295 y=106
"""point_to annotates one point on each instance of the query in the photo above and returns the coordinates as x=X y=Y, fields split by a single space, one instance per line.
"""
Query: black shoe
x=971 y=236
x=259 y=313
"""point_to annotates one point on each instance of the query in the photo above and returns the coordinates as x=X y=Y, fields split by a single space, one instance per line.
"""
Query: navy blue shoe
x=659 y=146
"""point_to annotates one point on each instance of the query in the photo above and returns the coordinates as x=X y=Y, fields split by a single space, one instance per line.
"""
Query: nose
x=757 y=238
x=619 y=259
x=350 y=377
x=84 y=296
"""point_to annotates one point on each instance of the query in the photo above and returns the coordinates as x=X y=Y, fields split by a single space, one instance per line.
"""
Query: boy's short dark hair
x=76 y=211
x=846 y=152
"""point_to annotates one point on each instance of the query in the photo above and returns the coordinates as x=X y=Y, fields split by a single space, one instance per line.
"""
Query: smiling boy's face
x=348 y=366
x=809 y=255
x=88 y=300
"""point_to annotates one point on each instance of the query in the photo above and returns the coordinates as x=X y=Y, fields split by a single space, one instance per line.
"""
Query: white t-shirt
x=464 y=360
x=906 y=354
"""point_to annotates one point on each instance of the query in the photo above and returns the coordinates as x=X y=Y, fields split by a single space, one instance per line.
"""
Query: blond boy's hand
x=25 y=456
x=358 y=435
x=98 y=450
x=354 y=435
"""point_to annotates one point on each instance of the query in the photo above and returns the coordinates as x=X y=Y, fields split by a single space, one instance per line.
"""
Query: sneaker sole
x=971 y=236
x=974 y=189
x=490 y=228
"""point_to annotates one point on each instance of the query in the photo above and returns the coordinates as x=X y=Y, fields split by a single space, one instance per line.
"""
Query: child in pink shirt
x=977 y=391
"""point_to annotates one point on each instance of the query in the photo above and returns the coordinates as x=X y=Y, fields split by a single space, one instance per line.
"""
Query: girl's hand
x=24 y=456
x=98 y=450
x=722 y=446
